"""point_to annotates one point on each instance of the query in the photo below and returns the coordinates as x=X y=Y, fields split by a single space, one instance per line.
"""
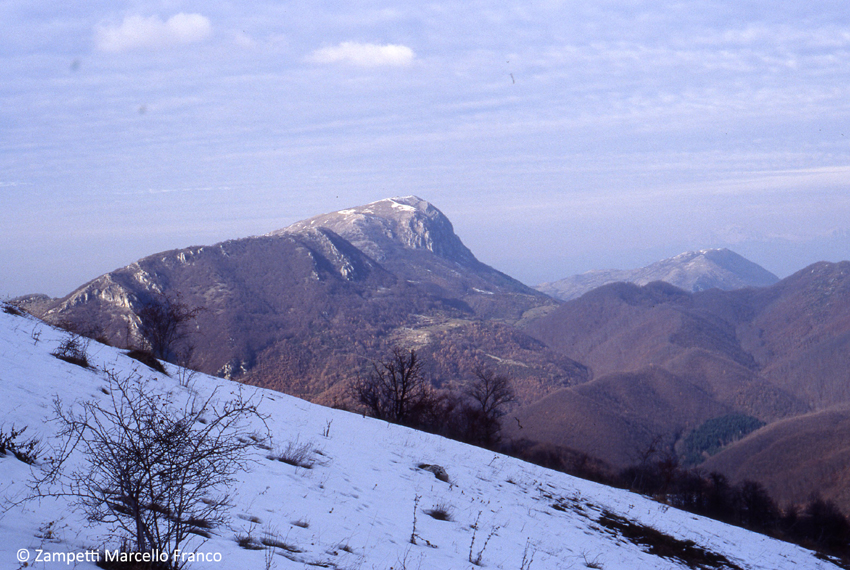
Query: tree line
x=817 y=524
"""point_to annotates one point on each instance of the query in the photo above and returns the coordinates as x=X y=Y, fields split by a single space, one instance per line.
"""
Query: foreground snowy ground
x=355 y=508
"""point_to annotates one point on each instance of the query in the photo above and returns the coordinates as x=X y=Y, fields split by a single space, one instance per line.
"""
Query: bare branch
x=151 y=468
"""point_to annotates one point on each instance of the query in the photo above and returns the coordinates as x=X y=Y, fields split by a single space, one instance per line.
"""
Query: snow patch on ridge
x=402 y=207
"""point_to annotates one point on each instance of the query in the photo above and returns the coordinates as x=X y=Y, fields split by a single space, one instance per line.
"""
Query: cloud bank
x=365 y=55
x=138 y=32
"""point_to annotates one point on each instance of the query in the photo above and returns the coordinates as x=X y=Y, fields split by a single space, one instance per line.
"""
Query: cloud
x=138 y=32
x=365 y=55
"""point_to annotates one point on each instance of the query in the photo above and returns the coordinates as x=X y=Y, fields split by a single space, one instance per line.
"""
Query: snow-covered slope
x=355 y=508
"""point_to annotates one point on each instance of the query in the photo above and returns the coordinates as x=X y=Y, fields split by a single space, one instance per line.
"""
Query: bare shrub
x=73 y=349
x=26 y=450
x=528 y=555
x=248 y=542
x=477 y=558
x=163 y=325
x=149 y=469
x=12 y=310
x=274 y=541
x=147 y=358
x=414 y=534
x=490 y=393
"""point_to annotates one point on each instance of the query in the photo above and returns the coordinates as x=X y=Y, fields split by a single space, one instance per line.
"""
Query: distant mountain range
x=307 y=308
x=663 y=362
x=692 y=271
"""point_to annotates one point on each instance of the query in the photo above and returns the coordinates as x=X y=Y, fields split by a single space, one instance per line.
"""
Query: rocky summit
x=387 y=228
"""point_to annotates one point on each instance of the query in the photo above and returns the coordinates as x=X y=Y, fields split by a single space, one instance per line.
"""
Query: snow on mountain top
x=397 y=205
x=698 y=253
x=355 y=508
x=384 y=226
x=692 y=271
x=406 y=203
x=402 y=207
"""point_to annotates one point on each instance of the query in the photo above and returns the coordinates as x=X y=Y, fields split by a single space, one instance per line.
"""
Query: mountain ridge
x=306 y=310
x=379 y=227
x=691 y=271
x=775 y=353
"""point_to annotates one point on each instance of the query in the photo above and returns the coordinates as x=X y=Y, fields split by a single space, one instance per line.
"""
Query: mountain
x=305 y=309
x=416 y=242
x=788 y=455
x=662 y=362
x=692 y=271
x=365 y=500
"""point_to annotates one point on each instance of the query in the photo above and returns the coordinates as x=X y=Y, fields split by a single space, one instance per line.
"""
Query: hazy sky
x=557 y=136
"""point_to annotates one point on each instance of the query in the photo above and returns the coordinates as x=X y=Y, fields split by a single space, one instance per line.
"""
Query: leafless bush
x=73 y=349
x=591 y=562
x=248 y=542
x=12 y=310
x=490 y=394
x=35 y=335
x=396 y=390
x=528 y=555
x=149 y=469
x=477 y=558
x=274 y=541
x=186 y=366
x=147 y=358
x=163 y=325
x=26 y=450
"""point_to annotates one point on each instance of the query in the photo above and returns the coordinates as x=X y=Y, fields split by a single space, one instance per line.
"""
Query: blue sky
x=557 y=136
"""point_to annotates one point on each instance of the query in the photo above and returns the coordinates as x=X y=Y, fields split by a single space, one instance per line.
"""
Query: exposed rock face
x=35 y=303
x=383 y=228
x=416 y=242
x=692 y=271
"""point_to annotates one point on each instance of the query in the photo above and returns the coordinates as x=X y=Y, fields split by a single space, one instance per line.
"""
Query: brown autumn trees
x=397 y=390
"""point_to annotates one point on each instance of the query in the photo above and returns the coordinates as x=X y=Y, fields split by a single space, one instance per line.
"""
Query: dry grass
x=441 y=512
x=296 y=453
